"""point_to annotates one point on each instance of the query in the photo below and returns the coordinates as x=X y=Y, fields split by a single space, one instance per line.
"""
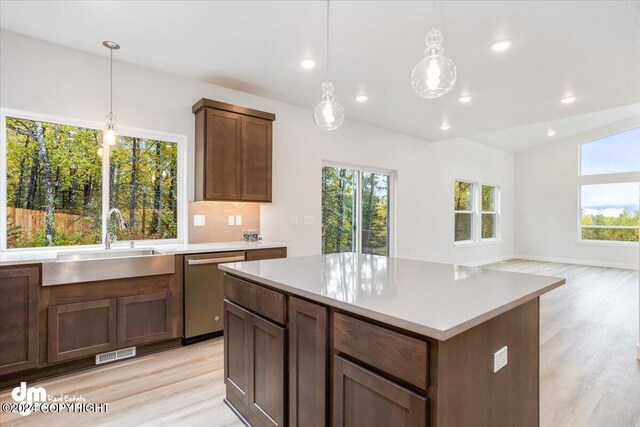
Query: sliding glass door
x=355 y=211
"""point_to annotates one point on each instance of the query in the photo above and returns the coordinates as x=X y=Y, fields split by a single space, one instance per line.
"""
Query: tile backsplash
x=216 y=215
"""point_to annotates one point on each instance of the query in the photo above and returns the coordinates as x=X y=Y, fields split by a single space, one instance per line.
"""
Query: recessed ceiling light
x=362 y=98
x=465 y=98
x=445 y=126
x=501 y=45
x=568 y=99
x=307 y=63
x=551 y=132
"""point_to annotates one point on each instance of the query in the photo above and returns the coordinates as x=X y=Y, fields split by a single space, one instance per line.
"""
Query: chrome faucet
x=108 y=237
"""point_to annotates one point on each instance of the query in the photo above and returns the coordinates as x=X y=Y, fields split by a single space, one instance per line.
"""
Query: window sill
x=608 y=243
x=475 y=243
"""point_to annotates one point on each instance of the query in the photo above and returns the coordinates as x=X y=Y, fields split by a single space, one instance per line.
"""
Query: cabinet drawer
x=363 y=398
x=398 y=355
x=263 y=301
x=271 y=253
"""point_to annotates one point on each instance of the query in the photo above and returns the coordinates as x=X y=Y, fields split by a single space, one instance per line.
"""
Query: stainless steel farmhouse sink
x=91 y=266
x=111 y=253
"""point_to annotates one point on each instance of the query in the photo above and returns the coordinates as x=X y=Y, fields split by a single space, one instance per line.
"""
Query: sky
x=613 y=154
x=607 y=196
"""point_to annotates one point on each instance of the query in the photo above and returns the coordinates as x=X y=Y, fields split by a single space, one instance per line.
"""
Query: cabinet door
x=19 y=325
x=237 y=346
x=266 y=374
x=256 y=159
x=81 y=329
x=364 y=399
x=307 y=364
x=144 y=318
x=222 y=156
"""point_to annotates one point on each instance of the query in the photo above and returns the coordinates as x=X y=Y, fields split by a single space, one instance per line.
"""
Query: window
x=355 y=211
x=489 y=212
x=463 y=207
x=609 y=212
x=613 y=154
x=609 y=189
x=474 y=202
x=57 y=193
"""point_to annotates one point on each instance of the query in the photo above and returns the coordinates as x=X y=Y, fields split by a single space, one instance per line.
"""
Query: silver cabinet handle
x=215 y=260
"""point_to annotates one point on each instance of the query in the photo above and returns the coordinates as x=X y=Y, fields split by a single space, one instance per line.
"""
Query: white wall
x=41 y=77
x=546 y=204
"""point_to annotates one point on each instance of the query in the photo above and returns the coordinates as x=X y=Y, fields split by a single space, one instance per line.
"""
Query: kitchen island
x=363 y=340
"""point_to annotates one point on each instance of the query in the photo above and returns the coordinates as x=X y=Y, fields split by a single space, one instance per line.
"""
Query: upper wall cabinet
x=232 y=152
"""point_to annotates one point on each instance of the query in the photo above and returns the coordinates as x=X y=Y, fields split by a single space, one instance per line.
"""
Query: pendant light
x=329 y=115
x=109 y=136
x=435 y=74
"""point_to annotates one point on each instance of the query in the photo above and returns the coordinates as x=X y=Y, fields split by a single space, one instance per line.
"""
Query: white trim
x=623 y=266
x=467 y=243
x=638 y=351
x=180 y=140
x=622 y=244
x=488 y=261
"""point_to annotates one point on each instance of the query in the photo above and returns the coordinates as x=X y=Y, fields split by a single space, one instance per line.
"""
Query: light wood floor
x=589 y=372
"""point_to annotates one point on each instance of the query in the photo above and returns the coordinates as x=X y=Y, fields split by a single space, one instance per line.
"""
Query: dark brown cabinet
x=308 y=350
x=270 y=253
x=233 y=152
x=236 y=353
x=362 y=398
x=81 y=329
x=255 y=366
x=144 y=318
x=92 y=327
x=266 y=373
x=20 y=320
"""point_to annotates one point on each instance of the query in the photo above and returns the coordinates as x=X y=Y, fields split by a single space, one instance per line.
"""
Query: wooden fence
x=32 y=221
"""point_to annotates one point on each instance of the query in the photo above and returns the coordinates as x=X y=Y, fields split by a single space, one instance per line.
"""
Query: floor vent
x=115 y=355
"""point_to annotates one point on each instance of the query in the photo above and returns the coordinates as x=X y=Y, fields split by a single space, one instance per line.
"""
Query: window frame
x=476 y=223
x=391 y=220
x=495 y=212
x=602 y=178
x=473 y=212
x=180 y=140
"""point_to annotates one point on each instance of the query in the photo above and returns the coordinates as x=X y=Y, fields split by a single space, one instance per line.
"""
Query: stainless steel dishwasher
x=203 y=294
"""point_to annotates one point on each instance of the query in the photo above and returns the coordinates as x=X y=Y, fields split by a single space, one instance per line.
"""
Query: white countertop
x=431 y=299
x=18 y=257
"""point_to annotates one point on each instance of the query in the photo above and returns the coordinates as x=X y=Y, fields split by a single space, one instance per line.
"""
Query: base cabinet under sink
x=91 y=327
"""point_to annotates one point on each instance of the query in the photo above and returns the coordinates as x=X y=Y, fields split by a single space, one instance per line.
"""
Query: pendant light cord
x=111 y=83
x=328 y=40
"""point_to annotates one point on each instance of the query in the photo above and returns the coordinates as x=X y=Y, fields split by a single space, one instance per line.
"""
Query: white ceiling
x=586 y=48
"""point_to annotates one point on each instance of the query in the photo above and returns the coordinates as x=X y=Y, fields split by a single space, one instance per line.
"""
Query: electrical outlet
x=198 y=220
x=308 y=220
x=500 y=359
x=294 y=219
x=238 y=219
x=231 y=220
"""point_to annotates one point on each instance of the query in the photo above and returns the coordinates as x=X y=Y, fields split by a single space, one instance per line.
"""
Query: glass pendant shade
x=109 y=135
x=435 y=74
x=328 y=115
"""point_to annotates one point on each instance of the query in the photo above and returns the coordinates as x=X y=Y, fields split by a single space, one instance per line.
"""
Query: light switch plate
x=294 y=219
x=308 y=219
x=231 y=220
x=500 y=359
x=238 y=219
x=198 y=220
